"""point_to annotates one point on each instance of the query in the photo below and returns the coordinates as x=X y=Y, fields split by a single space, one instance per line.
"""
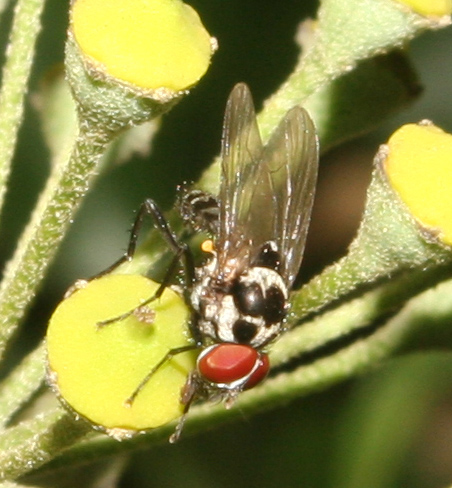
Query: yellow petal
x=148 y=43
x=435 y=8
x=95 y=370
x=419 y=167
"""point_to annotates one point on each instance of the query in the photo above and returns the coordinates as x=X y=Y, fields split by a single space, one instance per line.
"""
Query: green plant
x=351 y=75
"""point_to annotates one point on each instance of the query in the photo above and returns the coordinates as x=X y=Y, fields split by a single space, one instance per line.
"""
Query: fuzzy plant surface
x=125 y=66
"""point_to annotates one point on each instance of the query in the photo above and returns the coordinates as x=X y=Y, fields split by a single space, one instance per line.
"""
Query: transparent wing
x=281 y=202
x=241 y=151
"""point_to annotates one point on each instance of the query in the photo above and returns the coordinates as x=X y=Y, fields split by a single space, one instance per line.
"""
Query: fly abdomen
x=275 y=306
x=244 y=331
x=268 y=257
x=199 y=210
x=249 y=298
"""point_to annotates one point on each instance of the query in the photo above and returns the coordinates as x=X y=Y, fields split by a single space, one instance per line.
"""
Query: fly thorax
x=250 y=310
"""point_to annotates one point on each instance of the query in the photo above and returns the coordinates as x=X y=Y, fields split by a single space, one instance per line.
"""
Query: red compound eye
x=259 y=373
x=227 y=363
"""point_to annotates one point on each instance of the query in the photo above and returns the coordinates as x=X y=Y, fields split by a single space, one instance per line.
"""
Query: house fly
x=239 y=299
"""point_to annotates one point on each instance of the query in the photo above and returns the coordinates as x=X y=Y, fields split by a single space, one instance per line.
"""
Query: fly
x=239 y=299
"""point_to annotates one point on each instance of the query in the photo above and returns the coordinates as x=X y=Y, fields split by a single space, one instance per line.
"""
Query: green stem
x=4 y=5
x=21 y=384
x=347 y=33
x=348 y=318
x=22 y=449
x=65 y=189
x=16 y=72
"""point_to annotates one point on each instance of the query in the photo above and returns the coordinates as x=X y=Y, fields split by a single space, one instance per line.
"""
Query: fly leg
x=181 y=251
x=167 y=357
x=193 y=389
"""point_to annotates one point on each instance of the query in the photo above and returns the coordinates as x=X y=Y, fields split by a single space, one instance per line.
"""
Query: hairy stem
x=16 y=72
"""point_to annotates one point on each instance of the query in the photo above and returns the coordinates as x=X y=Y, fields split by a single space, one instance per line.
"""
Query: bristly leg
x=181 y=253
x=167 y=357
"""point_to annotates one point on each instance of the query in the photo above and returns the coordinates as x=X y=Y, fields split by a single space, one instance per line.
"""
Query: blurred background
x=390 y=428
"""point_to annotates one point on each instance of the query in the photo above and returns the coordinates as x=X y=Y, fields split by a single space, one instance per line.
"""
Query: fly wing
x=281 y=203
x=241 y=151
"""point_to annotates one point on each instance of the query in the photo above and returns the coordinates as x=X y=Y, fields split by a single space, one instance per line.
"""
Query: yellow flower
x=434 y=8
x=96 y=369
x=419 y=167
x=149 y=44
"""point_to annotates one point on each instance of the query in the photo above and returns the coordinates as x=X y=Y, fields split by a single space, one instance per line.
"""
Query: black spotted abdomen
x=250 y=311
